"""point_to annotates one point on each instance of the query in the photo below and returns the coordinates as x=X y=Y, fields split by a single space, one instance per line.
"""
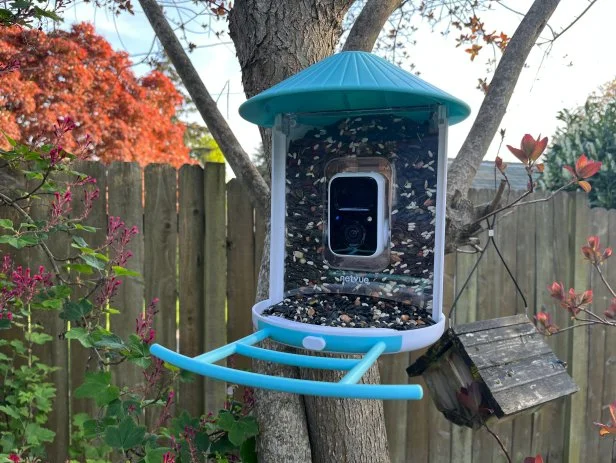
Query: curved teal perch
x=346 y=388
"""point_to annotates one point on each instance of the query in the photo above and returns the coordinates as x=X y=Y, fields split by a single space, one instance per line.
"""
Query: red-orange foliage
x=77 y=73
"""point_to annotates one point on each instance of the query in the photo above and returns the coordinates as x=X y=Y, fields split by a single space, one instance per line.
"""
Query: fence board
x=215 y=275
x=160 y=251
x=80 y=358
x=575 y=418
x=54 y=353
x=607 y=449
x=260 y=233
x=241 y=280
x=523 y=265
x=125 y=201
x=596 y=341
x=393 y=371
x=440 y=427
x=489 y=283
x=418 y=431
x=191 y=277
x=548 y=422
x=465 y=312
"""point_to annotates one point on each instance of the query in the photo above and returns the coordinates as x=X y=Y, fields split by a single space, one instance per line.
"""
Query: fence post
x=125 y=200
x=160 y=235
x=80 y=357
x=215 y=329
x=241 y=280
x=191 y=268
x=575 y=418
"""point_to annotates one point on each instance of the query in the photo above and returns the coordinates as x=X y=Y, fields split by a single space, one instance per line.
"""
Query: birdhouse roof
x=510 y=357
x=351 y=80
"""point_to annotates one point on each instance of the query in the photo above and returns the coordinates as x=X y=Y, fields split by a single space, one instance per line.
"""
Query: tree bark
x=461 y=213
x=369 y=24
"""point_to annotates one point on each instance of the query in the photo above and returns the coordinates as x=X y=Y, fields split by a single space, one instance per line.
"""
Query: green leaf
x=239 y=430
x=225 y=421
x=11 y=141
x=81 y=268
x=248 y=451
x=81 y=335
x=93 y=261
x=121 y=271
x=154 y=455
x=6 y=223
x=97 y=386
x=80 y=241
x=86 y=228
x=104 y=339
x=41 y=13
x=36 y=434
x=38 y=338
x=10 y=411
x=74 y=311
x=11 y=241
x=125 y=436
x=55 y=304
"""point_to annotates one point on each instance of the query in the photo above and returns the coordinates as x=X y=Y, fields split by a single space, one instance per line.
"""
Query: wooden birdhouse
x=492 y=370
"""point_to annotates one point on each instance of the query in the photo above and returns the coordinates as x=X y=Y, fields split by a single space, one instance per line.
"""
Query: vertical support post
x=439 y=234
x=278 y=238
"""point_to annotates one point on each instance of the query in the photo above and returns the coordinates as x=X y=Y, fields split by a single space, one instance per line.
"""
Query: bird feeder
x=357 y=224
x=492 y=370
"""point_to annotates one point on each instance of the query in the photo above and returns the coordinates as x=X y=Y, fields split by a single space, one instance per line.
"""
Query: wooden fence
x=200 y=248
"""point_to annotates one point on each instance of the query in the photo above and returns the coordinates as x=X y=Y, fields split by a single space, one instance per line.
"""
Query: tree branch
x=369 y=24
x=239 y=161
x=556 y=36
x=464 y=167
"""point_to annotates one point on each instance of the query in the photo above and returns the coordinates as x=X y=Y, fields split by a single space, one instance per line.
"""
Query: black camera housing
x=356 y=204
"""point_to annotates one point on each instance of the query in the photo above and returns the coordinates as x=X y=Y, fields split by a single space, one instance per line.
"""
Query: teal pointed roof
x=351 y=80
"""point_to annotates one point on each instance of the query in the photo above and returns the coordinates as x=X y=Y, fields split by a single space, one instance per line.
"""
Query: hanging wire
x=490 y=221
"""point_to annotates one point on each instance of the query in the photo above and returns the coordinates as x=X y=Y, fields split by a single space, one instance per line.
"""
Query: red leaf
x=528 y=144
x=585 y=185
x=571 y=170
x=537 y=459
x=557 y=291
x=586 y=168
x=587 y=297
x=539 y=148
x=500 y=165
x=518 y=153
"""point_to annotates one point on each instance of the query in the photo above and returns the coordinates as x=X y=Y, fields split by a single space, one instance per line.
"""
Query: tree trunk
x=275 y=40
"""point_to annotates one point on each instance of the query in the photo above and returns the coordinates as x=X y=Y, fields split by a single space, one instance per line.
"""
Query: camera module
x=356 y=214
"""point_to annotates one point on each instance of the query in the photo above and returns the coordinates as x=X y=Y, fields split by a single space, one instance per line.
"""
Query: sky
x=562 y=77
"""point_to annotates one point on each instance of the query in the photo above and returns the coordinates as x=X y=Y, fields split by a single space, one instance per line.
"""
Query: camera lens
x=355 y=234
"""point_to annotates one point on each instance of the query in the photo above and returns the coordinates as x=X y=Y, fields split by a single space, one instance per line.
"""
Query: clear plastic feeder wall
x=357 y=239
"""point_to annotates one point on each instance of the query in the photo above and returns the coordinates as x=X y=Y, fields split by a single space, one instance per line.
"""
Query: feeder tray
x=357 y=224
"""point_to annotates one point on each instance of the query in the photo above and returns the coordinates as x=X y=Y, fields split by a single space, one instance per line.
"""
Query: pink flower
x=144 y=324
x=60 y=207
x=65 y=124
x=168 y=458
